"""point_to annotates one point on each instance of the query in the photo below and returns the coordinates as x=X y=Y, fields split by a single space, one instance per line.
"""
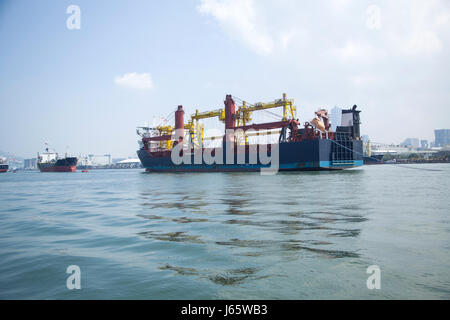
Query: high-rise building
x=30 y=163
x=411 y=142
x=442 y=137
x=335 y=118
x=424 y=144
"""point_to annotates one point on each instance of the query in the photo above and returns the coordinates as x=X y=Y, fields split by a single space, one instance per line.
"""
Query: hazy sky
x=132 y=60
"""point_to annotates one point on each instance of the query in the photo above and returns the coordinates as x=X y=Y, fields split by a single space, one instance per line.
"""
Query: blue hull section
x=293 y=156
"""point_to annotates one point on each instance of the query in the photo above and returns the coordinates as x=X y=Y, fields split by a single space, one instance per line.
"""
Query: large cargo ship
x=311 y=146
x=4 y=165
x=50 y=162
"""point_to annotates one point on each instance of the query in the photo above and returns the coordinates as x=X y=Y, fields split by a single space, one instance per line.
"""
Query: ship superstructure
x=49 y=161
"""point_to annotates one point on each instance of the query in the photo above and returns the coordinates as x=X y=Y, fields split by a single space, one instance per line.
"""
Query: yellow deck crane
x=196 y=129
x=243 y=117
x=243 y=114
x=162 y=131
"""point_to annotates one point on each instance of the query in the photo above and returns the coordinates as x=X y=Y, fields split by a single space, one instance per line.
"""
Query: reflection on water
x=228 y=277
x=180 y=270
x=179 y=236
x=286 y=217
x=235 y=276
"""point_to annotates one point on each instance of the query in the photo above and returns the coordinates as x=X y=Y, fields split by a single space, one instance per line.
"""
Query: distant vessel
x=3 y=165
x=312 y=146
x=50 y=162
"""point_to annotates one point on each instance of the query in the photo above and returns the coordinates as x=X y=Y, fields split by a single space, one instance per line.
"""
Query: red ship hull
x=59 y=169
x=68 y=164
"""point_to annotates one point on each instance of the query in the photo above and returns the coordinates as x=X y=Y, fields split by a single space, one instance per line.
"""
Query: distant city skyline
x=86 y=90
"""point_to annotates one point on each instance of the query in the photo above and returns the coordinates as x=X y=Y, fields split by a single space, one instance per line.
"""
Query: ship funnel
x=230 y=111
x=179 y=123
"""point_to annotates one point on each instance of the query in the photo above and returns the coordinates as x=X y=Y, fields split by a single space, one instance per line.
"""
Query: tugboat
x=3 y=165
x=50 y=162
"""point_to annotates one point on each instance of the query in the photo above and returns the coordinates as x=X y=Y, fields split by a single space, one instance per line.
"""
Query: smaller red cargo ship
x=50 y=162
